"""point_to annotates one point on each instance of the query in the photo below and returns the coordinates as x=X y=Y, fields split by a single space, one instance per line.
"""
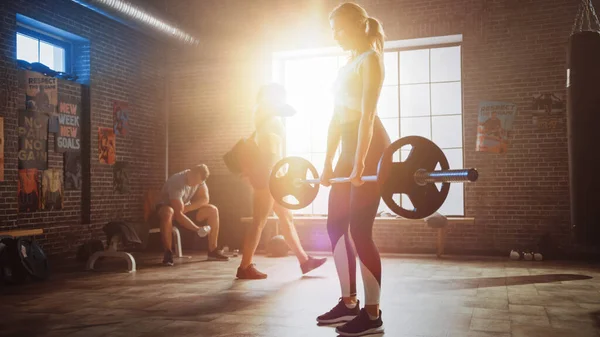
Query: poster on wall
x=33 y=140
x=548 y=110
x=107 y=152
x=68 y=137
x=1 y=148
x=73 y=170
x=52 y=193
x=121 y=177
x=120 y=118
x=494 y=125
x=28 y=190
x=41 y=92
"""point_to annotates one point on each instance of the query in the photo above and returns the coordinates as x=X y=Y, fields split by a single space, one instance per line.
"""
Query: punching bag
x=583 y=130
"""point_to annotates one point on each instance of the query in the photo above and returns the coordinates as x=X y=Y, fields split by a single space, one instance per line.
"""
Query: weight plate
x=33 y=258
x=11 y=268
x=399 y=177
x=284 y=185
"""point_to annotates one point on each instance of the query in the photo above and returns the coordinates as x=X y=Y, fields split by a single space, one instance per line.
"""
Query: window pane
x=414 y=100
x=447 y=131
x=296 y=135
x=27 y=48
x=392 y=126
x=445 y=64
x=318 y=134
x=446 y=98
x=342 y=61
x=406 y=203
x=415 y=126
x=454 y=204
x=52 y=56
x=314 y=75
x=455 y=158
x=388 y=102
x=414 y=66
x=405 y=154
x=390 y=63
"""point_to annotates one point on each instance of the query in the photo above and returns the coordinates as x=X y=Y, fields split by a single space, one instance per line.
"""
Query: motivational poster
x=33 y=140
x=548 y=110
x=121 y=177
x=28 y=190
x=52 y=193
x=73 y=170
x=41 y=92
x=120 y=118
x=68 y=137
x=494 y=124
x=107 y=152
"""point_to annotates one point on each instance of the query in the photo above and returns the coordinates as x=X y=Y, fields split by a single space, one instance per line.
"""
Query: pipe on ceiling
x=138 y=18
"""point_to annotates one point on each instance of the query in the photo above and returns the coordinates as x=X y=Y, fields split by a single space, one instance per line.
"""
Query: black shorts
x=192 y=215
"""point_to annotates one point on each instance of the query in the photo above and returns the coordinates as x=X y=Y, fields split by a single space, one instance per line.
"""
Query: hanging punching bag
x=583 y=129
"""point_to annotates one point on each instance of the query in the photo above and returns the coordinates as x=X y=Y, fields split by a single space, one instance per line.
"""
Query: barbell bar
x=421 y=177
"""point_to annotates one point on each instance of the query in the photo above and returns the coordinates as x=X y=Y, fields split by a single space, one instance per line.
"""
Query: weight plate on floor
x=11 y=268
x=33 y=258
x=283 y=185
x=399 y=177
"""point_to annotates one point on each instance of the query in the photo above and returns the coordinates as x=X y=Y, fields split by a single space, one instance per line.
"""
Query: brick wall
x=512 y=50
x=117 y=64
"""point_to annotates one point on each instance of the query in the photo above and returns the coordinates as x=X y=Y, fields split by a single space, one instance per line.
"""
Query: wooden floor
x=421 y=296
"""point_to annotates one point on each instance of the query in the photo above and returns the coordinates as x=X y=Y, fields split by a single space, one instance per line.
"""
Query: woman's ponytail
x=375 y=34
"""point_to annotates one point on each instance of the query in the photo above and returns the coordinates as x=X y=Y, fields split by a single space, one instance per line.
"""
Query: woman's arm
x=372 y=70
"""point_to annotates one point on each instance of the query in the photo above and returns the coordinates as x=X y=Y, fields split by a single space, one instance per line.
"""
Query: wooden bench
x=22 y=232
x=441 y=232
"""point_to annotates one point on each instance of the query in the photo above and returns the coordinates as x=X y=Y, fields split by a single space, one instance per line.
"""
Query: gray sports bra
x=348 y=89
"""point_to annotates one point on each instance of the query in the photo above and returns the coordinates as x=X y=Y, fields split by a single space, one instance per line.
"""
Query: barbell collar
x=423 y=177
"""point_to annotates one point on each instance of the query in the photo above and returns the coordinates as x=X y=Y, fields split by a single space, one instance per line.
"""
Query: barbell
x=415 y=177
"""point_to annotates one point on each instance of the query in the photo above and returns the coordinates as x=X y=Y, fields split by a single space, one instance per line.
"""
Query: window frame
x=280 y=69
x=53 y=40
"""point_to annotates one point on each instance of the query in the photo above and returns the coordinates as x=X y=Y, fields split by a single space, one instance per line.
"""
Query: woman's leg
x=338 y=221
x=263 y=203
x=286 y=225
x=364 y=204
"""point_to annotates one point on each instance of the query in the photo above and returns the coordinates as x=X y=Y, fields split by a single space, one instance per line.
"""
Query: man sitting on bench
x=184 y=197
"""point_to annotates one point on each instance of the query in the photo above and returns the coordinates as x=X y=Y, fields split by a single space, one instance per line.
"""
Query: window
x=35 y=47
x=421 y=95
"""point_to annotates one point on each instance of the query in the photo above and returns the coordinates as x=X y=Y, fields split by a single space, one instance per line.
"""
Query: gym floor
x=422 y=296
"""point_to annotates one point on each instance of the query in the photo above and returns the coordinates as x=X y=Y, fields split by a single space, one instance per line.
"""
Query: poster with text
x=41 y=92
x=494 y=125
x=1 y=148
x=28 y=190
x=68 y=137
x=33 y=140
x=121 y=177
x=107 y=152
x=73 y=171
x=549 y=104
x=548 y=110
x=52 y=192
x=120 y=118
